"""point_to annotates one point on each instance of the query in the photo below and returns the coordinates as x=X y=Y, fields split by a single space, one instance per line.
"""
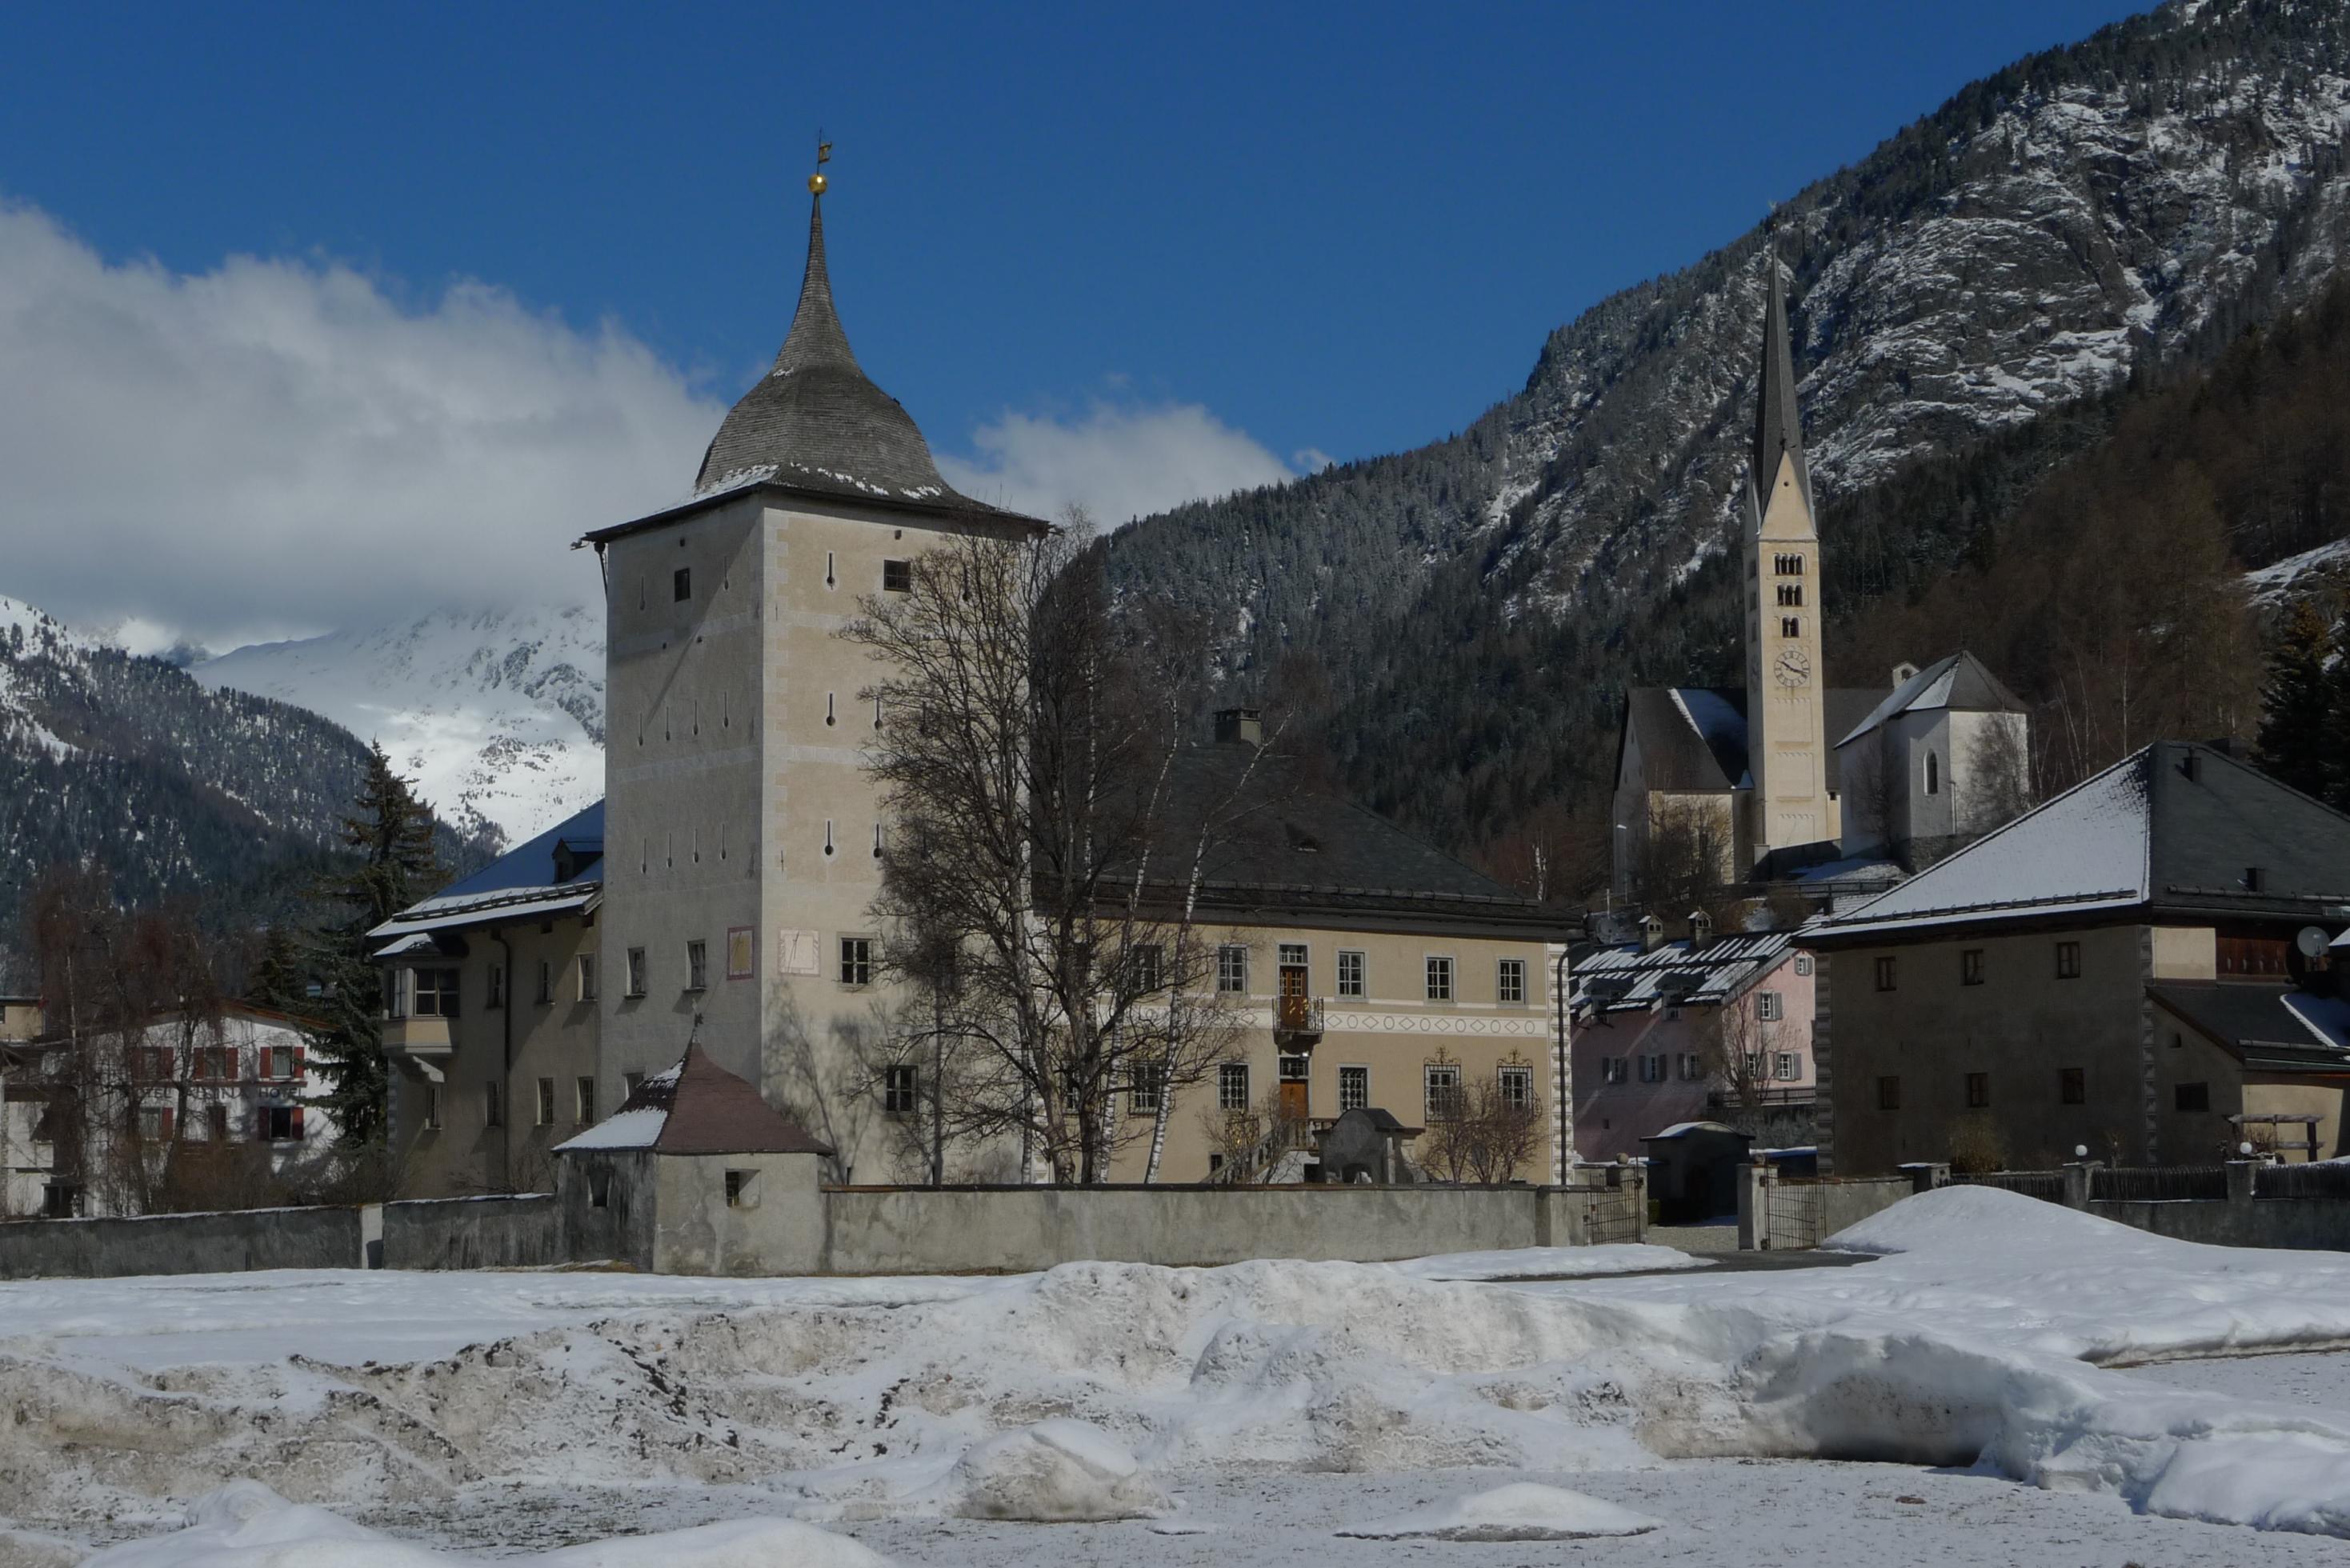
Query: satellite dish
x=2313 y=941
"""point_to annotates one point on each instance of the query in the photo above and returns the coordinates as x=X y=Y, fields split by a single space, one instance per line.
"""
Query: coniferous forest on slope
x=1465 y=618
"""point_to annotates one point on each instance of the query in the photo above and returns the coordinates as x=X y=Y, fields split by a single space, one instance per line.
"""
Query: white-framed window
x=1443 y=1088
x=901 y=1092
x=636 y=971
x=697 y=965
x=1517 y=1085
x=1292 y=955
x=1146 y=967
x=1354 y=1088
x=1146 y=1088
x=1439 y=978
x=1753 y=1065
x=1232 y=1086
x=586 y=977
x=1689 y=1067
x=1510 y=980
x=435 y=994
x=583 y=1096
x=1769 y=1006
x=1803 y=963
x=1790 y=1065
x=546 y=1102
x=1652 y=1067
x=1354 y=972
x=857 y=960
x=1232 y=969
x=1611 y=1069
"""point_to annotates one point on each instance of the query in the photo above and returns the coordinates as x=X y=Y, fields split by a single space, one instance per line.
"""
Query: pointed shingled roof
x=816 y=421
x=1778 y=423
x=697 y=1108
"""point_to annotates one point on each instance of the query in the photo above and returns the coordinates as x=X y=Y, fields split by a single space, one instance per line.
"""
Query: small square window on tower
x=681 y=584
x=897 y=577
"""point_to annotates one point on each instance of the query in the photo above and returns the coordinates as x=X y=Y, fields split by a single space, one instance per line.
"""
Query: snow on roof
x=524 y=884
x=2329 y=1017
x=1626 y=979
x=1682 y=1129
x=2086 y=849
x=639 y=1129
x=1957 y=680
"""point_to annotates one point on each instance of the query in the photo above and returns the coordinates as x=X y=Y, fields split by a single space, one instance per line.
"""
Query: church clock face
x=1795 y=666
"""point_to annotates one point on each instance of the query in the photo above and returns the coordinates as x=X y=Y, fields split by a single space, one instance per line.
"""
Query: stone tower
x=1789 y=804
x=741 y=830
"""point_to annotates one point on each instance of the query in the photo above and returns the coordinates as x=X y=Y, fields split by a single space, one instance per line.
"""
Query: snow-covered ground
x=1238 y=1415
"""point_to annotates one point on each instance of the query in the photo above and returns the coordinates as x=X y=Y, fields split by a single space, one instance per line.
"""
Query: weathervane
x=816 y=181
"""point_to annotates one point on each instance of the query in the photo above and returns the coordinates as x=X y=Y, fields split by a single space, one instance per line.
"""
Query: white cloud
x=1118 y=460
x=277 y=447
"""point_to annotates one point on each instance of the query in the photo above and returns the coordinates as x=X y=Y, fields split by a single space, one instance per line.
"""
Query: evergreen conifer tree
x=393 y=832
x=2296 y=703
x=280 y=977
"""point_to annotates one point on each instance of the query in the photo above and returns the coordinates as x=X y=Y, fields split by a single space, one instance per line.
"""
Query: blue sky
x=1336 y=230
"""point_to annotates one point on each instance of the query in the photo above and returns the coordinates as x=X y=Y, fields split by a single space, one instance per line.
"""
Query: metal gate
x=1795 y=1215
x=1613 y=1214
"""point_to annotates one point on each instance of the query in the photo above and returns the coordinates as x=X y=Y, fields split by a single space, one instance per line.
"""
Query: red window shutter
x=298 y=1068
x=295 y=1128
x=169 y=1115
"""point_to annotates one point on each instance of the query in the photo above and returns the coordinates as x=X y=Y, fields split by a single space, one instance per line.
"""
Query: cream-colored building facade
x=2113 y=971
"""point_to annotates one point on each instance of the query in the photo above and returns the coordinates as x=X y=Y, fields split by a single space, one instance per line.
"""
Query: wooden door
x=1293 y=1089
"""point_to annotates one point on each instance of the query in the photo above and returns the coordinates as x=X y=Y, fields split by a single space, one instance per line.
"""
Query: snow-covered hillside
x=497 y=715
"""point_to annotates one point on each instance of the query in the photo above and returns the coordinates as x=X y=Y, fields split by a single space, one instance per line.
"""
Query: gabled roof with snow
x=1959 y=683
x=2271 y=1028
x=558 y=873
x=1693 y=738
x=1623 y=978
x=696 y=1107
x=2178 y=829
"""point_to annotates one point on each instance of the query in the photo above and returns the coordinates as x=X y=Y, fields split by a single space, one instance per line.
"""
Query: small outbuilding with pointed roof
x=694 y=1174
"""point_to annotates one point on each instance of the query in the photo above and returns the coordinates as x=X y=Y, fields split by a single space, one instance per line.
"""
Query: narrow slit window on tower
x=876 y=841
x=827 y=568
x=681 y=584
x=828 y=708
x=827 y=835
x=877 y=711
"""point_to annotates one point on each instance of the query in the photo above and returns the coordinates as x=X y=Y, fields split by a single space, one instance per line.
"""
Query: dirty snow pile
x=1091 y=1391
x=246 y=1525
x=1522 y=1512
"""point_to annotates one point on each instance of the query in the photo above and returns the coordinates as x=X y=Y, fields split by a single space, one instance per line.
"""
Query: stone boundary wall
x=181 y=1244
x=523 y=1230
x=2298 y=1224
x=916 y=1230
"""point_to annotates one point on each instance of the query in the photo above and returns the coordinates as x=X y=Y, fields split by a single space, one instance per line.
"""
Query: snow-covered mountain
x=497 y=715
x=167 y=787
x=1476 y=607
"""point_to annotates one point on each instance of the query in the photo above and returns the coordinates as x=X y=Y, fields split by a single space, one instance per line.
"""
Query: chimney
x=1652 y=933
x=1701 y=929
x=1240 y=724
x=1902 y=672
x=2189 y=763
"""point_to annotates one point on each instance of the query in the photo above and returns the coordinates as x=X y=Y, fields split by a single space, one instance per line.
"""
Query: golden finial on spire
x=816 y=181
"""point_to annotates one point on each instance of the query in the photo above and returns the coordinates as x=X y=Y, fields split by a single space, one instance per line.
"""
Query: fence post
x=1637 y=1181
x=2076 y=1184
x=1754 y=1207
x=2239 y=1182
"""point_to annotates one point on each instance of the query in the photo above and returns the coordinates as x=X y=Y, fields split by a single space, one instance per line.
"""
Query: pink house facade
x=1715 y=1029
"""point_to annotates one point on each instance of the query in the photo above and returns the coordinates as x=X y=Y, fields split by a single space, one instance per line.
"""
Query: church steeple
x=816 y=421
x=1778 y=425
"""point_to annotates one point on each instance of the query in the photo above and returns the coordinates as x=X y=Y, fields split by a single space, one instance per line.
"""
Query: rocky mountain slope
x=497 y=716
x=1476 y=607
x=170 y=786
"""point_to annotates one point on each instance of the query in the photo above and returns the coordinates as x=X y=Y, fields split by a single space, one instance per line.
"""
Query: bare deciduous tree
x=1483 y=1132
x=1044 y=828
